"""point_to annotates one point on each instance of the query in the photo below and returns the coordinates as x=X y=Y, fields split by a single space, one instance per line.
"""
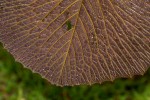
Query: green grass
x=19 y=83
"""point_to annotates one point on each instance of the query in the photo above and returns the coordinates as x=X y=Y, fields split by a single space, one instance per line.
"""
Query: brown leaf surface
x=73 y=42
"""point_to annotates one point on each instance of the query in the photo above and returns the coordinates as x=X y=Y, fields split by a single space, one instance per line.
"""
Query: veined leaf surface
x=73 y=42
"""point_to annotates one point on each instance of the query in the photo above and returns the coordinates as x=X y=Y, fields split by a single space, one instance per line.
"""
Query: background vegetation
x=18 y=83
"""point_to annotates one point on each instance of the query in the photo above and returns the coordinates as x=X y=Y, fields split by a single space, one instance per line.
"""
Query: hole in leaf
x=69 y=25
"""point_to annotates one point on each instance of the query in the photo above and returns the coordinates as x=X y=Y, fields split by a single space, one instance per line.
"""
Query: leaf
x=73 y=42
